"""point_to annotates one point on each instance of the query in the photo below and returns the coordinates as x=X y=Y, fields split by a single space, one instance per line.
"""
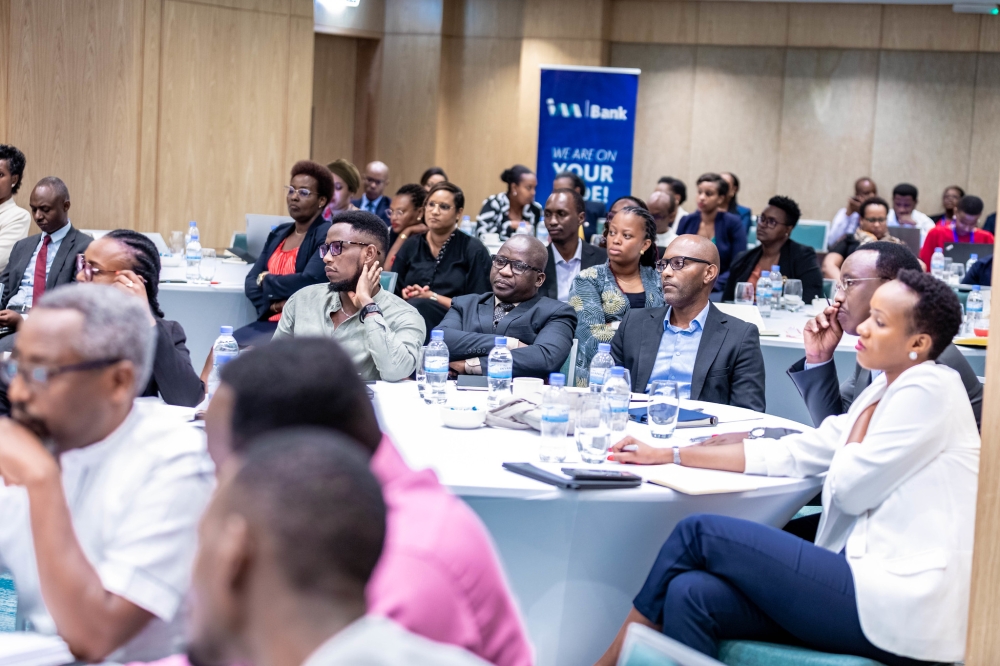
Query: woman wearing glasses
x=873 y=225
x=797 y=261
x=443 y=262
x=629 y=279
x=290 y=259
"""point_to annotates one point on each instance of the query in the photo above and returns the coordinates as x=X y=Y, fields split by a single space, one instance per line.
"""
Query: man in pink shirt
x=439 y=575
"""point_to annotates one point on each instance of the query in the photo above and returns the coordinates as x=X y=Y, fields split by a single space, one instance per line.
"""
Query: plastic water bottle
x=436 y=365
x=973 y=308
x=973 y=258
x=467 y=226
x=937 y=263
x=224 y=350
x=192 y=252
x=500 y=368
x=599 y=366
x=764 y=294
x=777 y=286
x=555 y=420
x=542 y=233
x=615 y=397
x=523 y=228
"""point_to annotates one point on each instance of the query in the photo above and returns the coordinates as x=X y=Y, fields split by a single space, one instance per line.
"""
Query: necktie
x=500 y=311
x=371 y=206
x=43 y=254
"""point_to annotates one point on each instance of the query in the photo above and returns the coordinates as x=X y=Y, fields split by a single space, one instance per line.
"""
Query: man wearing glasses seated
x=539 y=330
x=712 y=356
x=380 y=331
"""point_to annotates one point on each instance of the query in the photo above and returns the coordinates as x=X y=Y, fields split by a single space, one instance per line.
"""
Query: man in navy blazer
x=539 y=330
x=729 y=233
x=712 y=356
x=373 y=198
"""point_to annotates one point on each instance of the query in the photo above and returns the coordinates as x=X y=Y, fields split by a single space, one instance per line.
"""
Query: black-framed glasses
x=40 y=375
x=336 y=248
x=875 y=220
x=516 y=267
x=765 y=222
x=302 y=192
x=88 y=269
x=677 y=263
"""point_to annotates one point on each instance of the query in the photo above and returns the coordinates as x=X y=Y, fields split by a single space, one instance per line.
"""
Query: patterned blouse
x=494 y=217
x=599 y=305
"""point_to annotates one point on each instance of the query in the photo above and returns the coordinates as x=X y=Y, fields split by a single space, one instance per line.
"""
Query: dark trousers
x=719 y=578
x=255 y=333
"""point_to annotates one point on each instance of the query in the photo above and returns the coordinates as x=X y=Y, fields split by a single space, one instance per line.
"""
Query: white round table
x=574 y=559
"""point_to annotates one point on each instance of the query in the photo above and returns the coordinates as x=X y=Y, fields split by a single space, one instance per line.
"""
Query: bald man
x=539 y=330
x=712 y=356
x=373 y=199
x=663 y=207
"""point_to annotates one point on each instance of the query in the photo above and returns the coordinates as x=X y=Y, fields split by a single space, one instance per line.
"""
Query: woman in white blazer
x=889 y=575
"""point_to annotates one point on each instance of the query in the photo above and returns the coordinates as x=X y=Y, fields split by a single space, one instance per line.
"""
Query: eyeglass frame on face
x=9 y=369
x=769 y=222
x=517 y=267
x=840 y=286
x=88 y=269
x=301 y=191
x=876 y=220
x=328 y=248
x=661 y=264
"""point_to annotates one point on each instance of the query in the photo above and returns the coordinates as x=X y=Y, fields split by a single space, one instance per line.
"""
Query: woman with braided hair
x=129 y=261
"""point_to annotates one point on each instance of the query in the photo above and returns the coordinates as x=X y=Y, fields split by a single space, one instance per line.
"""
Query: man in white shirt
x=663 y=208
x=564 y=213
x=845 y=222
x=14 y=220
x=101 y=495
x=373 y=198
x=904 y=211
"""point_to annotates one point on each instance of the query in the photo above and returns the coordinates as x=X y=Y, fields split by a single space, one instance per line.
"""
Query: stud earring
x=913 y=356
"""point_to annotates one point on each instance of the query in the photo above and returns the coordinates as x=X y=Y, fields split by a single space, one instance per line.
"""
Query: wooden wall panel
x=366 y=100
x=929 y=28
x=149 y=120
x=566 y=19
x=75 y=81
x=413 y=17
x=989 y=34
x=365 y=20
x=743 y=24
x=298 y=102
x=839 y=26
x=984 y=157
x=334 y=85
x=4 y=64
x=655 y=22
x=483 y=18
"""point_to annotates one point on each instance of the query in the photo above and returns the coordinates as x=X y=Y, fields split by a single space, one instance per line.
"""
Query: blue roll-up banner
x=586 y=124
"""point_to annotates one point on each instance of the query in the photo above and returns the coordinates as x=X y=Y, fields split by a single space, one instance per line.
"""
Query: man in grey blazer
x=568 y=254
x=539 y=330
x=815 y=376
x=712 y=356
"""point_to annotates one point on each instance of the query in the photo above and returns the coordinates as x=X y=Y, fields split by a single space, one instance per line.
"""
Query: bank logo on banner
x=589 y=111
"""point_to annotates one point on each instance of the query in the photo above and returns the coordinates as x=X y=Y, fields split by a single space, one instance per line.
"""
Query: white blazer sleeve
x=802 y=455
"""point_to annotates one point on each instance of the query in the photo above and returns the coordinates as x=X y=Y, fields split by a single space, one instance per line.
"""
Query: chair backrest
x=258 y=228
x=569 y=367
x=812 y=233
x=828 y=287
x=645 y=647
x=388 y=281
x=752 y=238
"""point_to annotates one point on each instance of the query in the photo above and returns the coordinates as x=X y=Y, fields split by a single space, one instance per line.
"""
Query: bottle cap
x=557 y=379
x=604 y=347
x=500 y=342
x=192 y=223
x=226 y=330
x=764 y=274
x=437 y=334
x=618 y=371
x=776 y=268
x=974 y=256
x=939 y=249
x=975 y=287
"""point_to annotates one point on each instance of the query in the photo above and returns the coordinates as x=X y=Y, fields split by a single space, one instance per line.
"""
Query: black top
x=173 y=378
x=981 y=272
x=846 y=246
x=464 y=266
x=797 y=262
x=637 y=300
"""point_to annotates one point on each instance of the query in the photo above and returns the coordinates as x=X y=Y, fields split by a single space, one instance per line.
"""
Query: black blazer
x=729 y=367
x=63 y=270
x=797 y=261
x=309 y=267
x=730 y=240
x=381 y=208
x=825 y=396
x=173 y=378
x=544 y=324
x=590 y=256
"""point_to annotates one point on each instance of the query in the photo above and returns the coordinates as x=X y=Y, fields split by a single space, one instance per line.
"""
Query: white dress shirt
x=14 y=223
x=25 y=292
x=135 y=499
x=668 y=236
x=923 y=222
x=842 y=225
x=566 y=271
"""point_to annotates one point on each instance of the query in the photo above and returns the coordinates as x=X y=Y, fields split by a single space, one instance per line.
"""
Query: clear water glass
x=209 y=264
x=593 y=438
x=663 y=407
x=744 y=293
x=176 y=243
x=421 y=375
x=957 y=274
x=793 y=295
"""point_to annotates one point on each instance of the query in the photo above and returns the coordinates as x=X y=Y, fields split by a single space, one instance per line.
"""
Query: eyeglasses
x=516 y=267
x=335 y=248
x=302 y=192
x=875 y=220
x=843 y=284
x=677 y=263
x=40 y=375
x=88 y=269
x=765 y=222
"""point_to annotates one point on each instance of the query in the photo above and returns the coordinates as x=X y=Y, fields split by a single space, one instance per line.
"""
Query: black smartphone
x=599 y=474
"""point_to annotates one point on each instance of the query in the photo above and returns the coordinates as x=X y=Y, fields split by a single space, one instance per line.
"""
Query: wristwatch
x=260 y=278
x=677 y=456
x=771 y=433
x=369 y=309
x=433 y=297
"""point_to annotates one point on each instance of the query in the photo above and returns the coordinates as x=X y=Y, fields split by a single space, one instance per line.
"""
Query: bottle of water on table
x=973 y=258
x=777 y=286
x=555 y=420
x=937 y=263
x=192 y=252
x=436 y=364
x=599 y=367
x=615 y=398
x=973 y=309
x=224 y=350
x=500 y=371
x=764 y=294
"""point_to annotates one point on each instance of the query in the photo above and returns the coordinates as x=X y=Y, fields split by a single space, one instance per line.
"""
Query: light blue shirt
x=24 y=295
x=566 y=271
x=370 y=205
x=677 y=352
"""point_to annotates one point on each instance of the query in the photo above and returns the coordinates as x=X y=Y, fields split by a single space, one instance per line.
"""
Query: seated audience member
x=14 y=220
x=373 y=197
x=949 y=202
x=874 y=213
x=380 y=332
x=432 y=177
x=797 y=261
x=289 y=542
x=130 y=262
x=628 y=280
x=731 y=205
x=846 y=221
x=568 y=254
x=981 y=273
x=435 y=266
x=676 y=188
x=346 y=183
x=904 y=211
x=712 y=221
x=889 y=576
x=964 y=229
x=41 y=262
x=502 y=213
x=101 y=495
x=439 y=575
x=539 y=330
x=406 y=218
x=290 y=259
x=990 y=224
x=815 y=376
x=567 y=180
x=663 y=208
x=712 y=356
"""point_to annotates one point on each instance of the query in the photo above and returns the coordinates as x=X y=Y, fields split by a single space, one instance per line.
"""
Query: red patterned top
x=282 y=262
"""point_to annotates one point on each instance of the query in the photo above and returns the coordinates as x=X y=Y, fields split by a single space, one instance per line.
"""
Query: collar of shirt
x=577 y=256
x=697 y=324
x=335 y=304
x=59 y=235
x=365 y=201
x=497 y=301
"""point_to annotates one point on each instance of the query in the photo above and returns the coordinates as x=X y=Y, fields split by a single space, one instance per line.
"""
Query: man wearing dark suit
x=539 y=330
x=41 y=262
x=568 y=254
x=373 y=199
x=815 y=376
x=712 y=356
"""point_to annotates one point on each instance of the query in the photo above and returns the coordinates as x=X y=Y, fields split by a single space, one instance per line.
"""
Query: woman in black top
x=443 y=262
x=797 y=261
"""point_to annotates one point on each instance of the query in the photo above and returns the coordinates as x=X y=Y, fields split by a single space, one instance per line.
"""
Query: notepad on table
x=695 y=481
x=20 y=648
x=686 y=418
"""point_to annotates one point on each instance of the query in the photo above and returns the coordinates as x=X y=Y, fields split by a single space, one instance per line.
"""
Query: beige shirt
x=382 y=347
x=14 y=223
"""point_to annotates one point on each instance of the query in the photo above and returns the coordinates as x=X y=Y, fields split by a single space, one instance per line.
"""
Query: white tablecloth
x=575 y=559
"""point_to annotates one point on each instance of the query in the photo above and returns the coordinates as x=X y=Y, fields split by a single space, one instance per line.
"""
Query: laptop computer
x=258 y=228
x=909 y=235
x=960 y=252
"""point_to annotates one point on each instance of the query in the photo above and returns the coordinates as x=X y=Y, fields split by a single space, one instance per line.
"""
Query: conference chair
x=569 y=367
x=828 y=287
x=8 y=603
x=754 y=653
x=752 y=238
x=812 y=233
x=388 y=281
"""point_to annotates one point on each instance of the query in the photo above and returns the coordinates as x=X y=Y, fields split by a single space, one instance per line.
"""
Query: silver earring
x=913 y=356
